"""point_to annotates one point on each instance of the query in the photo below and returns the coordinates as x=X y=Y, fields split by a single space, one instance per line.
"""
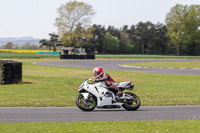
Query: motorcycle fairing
x=99 y=93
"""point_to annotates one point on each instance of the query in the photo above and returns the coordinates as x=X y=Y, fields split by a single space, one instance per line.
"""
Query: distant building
x=72 y=50
x=75 y=53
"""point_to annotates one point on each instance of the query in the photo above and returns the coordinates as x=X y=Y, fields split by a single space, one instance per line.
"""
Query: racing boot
x=119 y=94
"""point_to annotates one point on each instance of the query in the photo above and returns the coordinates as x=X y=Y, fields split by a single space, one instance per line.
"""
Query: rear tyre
x=86 y=104
x=132 y=104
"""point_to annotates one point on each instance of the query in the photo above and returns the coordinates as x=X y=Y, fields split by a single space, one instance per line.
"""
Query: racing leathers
x=109 y=82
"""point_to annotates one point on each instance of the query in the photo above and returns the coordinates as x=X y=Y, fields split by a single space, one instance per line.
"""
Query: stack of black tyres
x=10 y=72
x=72 y=56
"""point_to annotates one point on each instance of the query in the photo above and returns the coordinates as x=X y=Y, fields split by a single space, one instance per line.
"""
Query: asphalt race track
x=69 y=114
x=115 y=65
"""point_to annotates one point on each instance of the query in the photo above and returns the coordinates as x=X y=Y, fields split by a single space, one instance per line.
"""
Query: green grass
x=184 y=126
x=193 y=64
x=57 y=86
x=98 y=56
x=144 y=57
x=26 y=56
x=42 y=86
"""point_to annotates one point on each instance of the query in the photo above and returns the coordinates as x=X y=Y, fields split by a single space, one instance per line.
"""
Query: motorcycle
x=98 y=95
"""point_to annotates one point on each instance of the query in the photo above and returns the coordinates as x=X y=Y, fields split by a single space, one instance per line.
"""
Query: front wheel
x=86 y=104
x=132 y=104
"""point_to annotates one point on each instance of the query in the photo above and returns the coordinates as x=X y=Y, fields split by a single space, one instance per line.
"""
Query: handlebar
x=92 y=82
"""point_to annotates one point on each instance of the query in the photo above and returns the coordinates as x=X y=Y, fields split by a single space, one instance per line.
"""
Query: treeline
x=143 y=38
x=180 y=35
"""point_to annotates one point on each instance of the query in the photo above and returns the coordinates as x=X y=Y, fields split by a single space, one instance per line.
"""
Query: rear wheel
x=86 y=104
x=132 y=104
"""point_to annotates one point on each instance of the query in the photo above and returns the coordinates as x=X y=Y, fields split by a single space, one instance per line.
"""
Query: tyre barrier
x=10 y=72
x=79 y=57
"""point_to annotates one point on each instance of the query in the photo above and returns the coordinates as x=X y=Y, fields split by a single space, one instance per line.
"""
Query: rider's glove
x=92 y=82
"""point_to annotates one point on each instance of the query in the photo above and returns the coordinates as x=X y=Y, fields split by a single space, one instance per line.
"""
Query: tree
x=54 y=42
x=175 y=25
x=97 y=41
x=126 y=45
x=111 y=43
x=9 y=45
x=182 y=26
x=113 y=31
x=144 y=35
x=192 y=30
x=133 y=38
x=159 y=44
x=78 y=38
x=74 y=17
x=45 y=43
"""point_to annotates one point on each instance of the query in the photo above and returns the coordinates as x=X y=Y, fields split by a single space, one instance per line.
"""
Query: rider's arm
x=104 y=78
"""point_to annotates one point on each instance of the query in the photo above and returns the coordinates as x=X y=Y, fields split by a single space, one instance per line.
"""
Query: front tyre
x=86 y=104
x=132 y=104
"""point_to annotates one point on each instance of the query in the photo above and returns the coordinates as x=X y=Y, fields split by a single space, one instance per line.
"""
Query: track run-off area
x=69 y=114
x=117 y=65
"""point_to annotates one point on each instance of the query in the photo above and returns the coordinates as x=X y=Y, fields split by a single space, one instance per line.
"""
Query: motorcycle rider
x=100 y=76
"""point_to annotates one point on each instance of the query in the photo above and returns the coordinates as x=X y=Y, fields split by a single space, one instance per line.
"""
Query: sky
x=36 y=18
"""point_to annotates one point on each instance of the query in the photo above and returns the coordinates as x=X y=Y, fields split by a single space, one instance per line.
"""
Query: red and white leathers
x=109 y=82
x=100 y=76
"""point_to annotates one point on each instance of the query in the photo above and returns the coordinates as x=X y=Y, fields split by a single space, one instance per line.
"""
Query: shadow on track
x=116 y=110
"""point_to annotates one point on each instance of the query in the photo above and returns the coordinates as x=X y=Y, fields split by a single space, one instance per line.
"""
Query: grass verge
x=57 y=86
x=98 y=56
x=195 y=64
x=145 y=57
x=184 y=126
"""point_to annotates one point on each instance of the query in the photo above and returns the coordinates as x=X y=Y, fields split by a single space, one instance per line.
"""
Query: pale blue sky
x=37 y=17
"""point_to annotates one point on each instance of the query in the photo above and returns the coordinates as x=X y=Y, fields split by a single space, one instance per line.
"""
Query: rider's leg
x=119 y=92
x=114 y=87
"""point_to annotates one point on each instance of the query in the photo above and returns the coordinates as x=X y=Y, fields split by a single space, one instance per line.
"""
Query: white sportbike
x=98 y=95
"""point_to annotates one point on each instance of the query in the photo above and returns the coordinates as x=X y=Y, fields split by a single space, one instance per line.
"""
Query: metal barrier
x=48 y=52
